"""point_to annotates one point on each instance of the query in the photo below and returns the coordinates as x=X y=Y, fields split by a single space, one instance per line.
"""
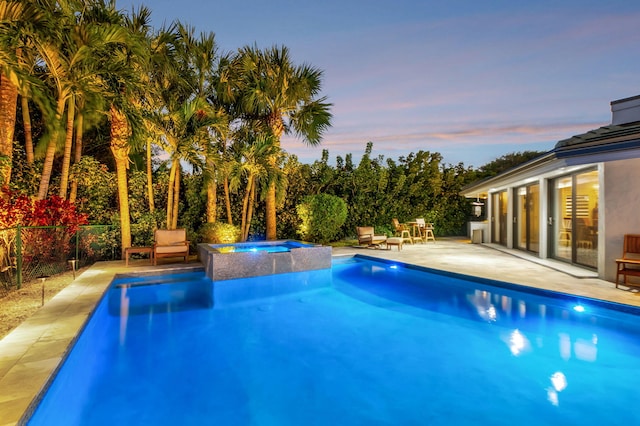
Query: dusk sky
x=472 y=80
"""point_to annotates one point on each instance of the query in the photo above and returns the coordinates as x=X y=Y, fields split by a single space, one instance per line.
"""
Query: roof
x=603 y=144
x=619 y=140
x=604 y=139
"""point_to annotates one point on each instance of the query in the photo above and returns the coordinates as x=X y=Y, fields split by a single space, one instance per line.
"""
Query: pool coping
x=32 y=353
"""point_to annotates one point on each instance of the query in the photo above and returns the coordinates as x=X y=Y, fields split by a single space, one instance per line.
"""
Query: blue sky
x=472 y=80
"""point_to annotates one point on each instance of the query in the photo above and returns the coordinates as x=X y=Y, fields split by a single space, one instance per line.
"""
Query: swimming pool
x=365 y=342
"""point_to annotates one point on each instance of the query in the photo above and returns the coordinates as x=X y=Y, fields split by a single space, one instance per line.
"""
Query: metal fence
x=31 y=252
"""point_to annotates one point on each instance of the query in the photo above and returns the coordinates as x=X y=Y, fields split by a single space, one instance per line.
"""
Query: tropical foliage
x=149 y=128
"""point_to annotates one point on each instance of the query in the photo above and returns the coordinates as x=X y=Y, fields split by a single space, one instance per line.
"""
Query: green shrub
x=321 y=215
x=219 y=233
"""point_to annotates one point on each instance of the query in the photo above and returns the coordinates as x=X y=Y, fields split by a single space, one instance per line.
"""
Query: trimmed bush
x=219 y=233
x=322 y=216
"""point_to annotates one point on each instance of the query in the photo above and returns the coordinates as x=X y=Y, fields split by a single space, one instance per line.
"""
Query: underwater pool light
x=578 y=308
x=393 y=267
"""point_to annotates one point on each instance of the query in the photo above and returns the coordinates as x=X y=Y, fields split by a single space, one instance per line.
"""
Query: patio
x=32 y=352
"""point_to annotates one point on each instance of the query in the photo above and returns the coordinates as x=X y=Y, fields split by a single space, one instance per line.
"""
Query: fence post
x=19 y=256
x=77 y=245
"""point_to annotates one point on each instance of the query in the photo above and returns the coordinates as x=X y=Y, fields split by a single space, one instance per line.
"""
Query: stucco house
x=574 y=203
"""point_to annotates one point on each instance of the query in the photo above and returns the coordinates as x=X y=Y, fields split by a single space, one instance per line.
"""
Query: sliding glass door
x=575 y=218
x=527 y=218
x=499 y=218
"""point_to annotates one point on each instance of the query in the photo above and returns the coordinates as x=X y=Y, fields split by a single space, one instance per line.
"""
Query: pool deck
x=31 y=353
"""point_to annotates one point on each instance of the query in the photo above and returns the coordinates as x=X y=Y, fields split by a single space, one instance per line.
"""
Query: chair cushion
x=165 y=237
x=172 y=249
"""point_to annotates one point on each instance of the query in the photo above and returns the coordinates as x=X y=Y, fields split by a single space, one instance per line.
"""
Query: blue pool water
x=363 y=343
x=283 y=246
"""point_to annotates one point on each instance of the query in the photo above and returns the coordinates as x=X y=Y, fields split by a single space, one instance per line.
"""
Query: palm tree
x=186 y=122
x=254 y=168
x=89 y=113
x=185 y=129
x=75 y=65
x=200 y=54
x=86 y=85
x=8 y=101
x=279 y=98
x=159 y=70
x=20 y=24
x=124 y=85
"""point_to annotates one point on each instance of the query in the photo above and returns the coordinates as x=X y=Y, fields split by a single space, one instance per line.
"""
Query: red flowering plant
x=41 y=243
x=14 y=209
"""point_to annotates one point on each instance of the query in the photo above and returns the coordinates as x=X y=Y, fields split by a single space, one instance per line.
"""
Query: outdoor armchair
x=367 y=236
x=170 y=243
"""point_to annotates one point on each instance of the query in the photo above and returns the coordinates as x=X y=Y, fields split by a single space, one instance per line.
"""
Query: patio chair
x=426 y=230
x=629 y=263
x=401 y=230
x=170 y=243
x=367 y=236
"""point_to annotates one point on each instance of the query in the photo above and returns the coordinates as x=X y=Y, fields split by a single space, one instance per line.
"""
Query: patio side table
x=139 y=250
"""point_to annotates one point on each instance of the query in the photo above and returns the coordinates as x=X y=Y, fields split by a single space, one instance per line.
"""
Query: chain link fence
x=31 y=252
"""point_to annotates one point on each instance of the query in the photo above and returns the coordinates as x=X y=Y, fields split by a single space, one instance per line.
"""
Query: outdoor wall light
x=477 y=206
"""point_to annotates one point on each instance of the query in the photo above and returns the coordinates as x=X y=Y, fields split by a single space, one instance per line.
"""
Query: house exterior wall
x=544 y=177
x=620 y=212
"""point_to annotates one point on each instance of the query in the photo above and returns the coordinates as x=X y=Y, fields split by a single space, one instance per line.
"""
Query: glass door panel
x=527 y=227
x=575 y=218
x=533 y=218
x=562 y=218
x=586 y=219
x=495 y=217
x=503 y=218
x=520 y=227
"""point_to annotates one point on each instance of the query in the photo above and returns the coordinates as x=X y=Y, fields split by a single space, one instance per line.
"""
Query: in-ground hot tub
x=242 y=260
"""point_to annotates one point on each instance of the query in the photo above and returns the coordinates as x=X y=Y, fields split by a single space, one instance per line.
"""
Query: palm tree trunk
x=77 y=154
x=170 y=189
x=245 y=208
x=68 y=145
x=212 y=205
x=152 y=204
x=212 y=194
x=270 y=214
x=277 y=127
x=28 y=134
x=252 y=200
x=8 y=107
x=50 y=153
x=120 y=149
x=176 y=198
x=227 y=200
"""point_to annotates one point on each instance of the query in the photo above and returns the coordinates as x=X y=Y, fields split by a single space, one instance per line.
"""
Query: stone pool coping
x=33 y=351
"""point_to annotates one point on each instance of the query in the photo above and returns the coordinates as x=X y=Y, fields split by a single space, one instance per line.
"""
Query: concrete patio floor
x=31 y=353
